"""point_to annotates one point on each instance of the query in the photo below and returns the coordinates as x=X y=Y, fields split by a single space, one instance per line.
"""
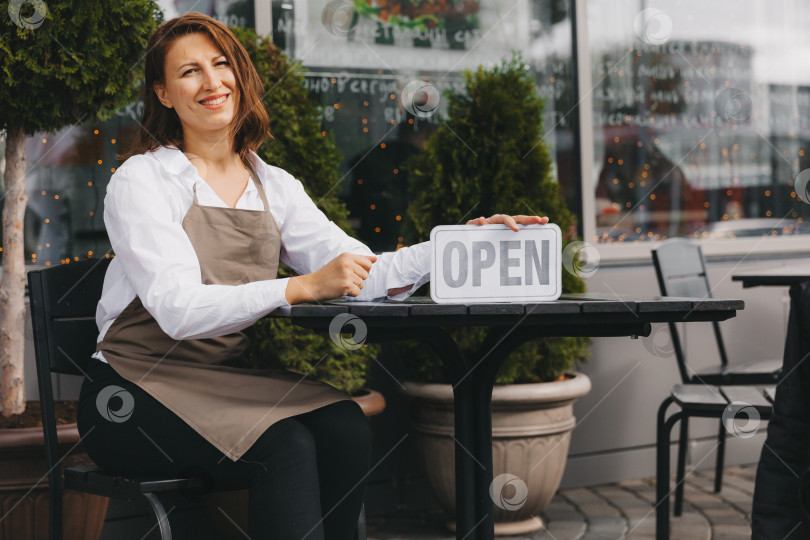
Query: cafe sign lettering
x=493 y=263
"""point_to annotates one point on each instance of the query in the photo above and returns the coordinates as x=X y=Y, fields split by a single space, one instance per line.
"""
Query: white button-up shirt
x=146 y=200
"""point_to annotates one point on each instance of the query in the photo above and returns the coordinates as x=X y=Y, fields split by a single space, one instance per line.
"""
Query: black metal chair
x=681 y=271
x=63 y=302
x=702 y=401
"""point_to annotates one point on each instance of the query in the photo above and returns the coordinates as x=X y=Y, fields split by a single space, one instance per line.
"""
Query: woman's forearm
x=394 y=292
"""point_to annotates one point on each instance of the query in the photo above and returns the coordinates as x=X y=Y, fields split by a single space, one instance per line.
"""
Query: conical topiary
x=489 y=157
x=303 y=149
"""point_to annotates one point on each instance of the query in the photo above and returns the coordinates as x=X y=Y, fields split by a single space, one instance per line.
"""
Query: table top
x=773 y=276
x=570 y=309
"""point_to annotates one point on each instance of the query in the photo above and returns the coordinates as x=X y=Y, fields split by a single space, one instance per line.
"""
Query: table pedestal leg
x=474 y=393
x=464 y=403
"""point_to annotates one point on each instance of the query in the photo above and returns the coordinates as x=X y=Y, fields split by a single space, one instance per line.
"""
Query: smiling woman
x=199 y=224
x=191 y=65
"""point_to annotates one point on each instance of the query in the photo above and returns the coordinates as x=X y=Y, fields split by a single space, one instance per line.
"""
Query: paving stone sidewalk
x=615 y=511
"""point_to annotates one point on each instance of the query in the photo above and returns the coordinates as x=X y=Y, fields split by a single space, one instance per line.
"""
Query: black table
x=780 y=276
x=510 y=326
x=776 y=509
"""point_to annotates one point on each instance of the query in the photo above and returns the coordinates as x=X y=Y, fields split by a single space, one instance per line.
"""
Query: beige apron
x=229 y=406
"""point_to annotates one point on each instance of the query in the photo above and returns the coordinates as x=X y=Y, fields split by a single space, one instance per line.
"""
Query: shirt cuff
x=417 y=270
x=403 y=295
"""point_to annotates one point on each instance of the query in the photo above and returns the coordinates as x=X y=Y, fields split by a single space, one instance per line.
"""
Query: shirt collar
x=176 y=162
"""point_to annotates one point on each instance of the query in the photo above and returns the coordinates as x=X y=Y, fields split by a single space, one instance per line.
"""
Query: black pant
x=306 y=474
x=777 y=512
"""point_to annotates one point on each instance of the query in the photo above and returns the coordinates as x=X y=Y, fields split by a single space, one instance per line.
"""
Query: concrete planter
x=531 y=425
x=24 y=487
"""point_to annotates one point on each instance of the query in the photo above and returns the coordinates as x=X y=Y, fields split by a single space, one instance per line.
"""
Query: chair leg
x=721 y=455
x=663 y=431
x=162 y=517
x=683 y=441
x=361 y=525
x=55 y=510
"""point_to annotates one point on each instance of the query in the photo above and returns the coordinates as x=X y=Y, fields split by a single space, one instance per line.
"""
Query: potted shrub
x=488 y=156
x=61 y=63
x=302 y=148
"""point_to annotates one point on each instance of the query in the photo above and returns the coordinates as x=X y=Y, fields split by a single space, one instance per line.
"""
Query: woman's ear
x=160 y=91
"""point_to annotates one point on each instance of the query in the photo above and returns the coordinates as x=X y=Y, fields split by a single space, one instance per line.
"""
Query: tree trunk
x=12 y=283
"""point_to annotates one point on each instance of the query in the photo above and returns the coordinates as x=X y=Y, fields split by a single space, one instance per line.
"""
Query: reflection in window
x=357 y=69
x=698 y=133
x=360 y=61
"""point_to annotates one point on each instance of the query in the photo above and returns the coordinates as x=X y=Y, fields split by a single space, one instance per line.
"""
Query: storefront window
x=358 y=59
x=361 y=57
x=700 y=118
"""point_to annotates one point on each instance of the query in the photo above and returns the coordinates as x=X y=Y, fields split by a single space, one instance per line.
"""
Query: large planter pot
x=229 y=509
x=531 y=426
x=24 y=487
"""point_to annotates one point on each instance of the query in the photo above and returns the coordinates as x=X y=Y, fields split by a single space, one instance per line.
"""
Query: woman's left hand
x=511 y=221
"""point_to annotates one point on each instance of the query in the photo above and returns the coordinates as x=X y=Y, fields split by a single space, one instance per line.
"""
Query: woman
x=199 y=224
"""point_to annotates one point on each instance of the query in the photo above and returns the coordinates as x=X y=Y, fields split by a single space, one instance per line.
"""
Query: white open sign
x=493 y=263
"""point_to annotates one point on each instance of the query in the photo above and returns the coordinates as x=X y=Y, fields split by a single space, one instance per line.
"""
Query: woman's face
x=196 y=72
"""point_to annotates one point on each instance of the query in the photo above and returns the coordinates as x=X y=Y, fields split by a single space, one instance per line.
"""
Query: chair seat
x=93 y=479
x=760 y=372
x=713 y=400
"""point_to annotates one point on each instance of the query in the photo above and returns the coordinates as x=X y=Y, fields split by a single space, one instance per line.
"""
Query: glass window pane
x=353 y=71
x=361 y=56
x=700 y=118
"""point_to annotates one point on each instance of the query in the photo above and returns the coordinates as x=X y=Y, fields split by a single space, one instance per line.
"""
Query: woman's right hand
x=342 y=276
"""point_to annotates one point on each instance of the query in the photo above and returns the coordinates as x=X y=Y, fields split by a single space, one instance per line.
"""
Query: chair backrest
x=63 y=302
x=681 y=271
x=63 y=312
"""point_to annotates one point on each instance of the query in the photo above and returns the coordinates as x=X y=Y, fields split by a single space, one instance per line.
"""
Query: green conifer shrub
x=302 y=148
x=488 y=156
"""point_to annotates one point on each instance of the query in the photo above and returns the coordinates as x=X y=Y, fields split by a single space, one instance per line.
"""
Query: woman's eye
x=223 y=62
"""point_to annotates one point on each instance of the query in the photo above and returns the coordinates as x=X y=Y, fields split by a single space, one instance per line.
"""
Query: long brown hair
x=161 y=126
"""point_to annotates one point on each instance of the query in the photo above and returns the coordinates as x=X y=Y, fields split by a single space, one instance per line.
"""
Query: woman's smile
x=216 y=102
